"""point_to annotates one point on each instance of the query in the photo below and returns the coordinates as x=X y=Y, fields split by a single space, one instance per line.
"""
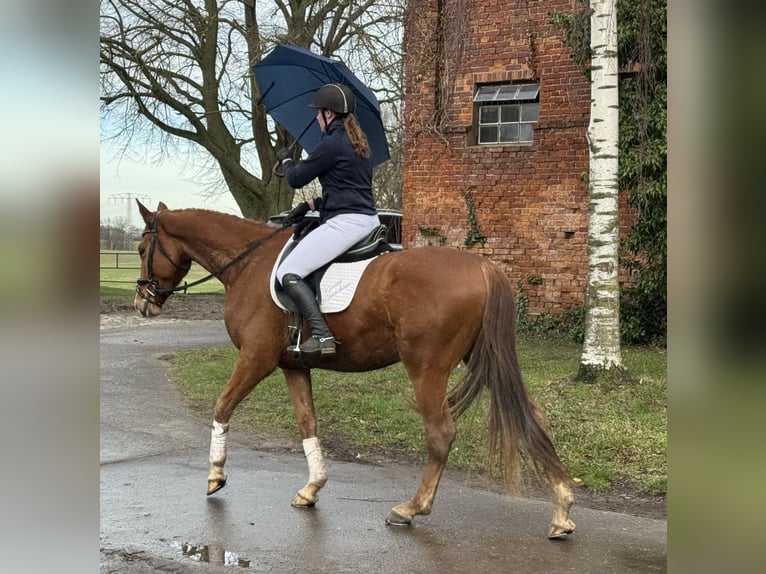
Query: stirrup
x=314 y=344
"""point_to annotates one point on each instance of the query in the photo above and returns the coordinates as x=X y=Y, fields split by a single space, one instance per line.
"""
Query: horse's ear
x=162 y=206
x=145 y=213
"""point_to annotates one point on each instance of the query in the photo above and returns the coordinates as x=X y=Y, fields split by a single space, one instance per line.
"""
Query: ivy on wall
x=473 y=236
x=435 y=52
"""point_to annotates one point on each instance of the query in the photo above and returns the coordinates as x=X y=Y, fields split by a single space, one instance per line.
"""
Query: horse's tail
x=516 y=424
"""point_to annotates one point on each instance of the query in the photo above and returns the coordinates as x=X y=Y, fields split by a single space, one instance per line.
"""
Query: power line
x=130 y=203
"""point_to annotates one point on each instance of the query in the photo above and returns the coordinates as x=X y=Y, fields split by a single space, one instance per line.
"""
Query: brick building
x=496 y=114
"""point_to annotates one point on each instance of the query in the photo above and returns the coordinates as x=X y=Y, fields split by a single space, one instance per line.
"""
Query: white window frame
x=507 y=110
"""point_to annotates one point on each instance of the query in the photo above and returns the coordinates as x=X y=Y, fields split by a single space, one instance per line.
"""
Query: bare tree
x=176 y=75
x=601 y=348
x=116 y=234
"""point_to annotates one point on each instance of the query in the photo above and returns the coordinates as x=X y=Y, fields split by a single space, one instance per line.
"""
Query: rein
x=153 y=289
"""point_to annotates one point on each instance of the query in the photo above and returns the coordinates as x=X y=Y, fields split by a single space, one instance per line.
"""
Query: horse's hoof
x=396 y=519
x=303 y=502
x=558 y=532
x=214 y=486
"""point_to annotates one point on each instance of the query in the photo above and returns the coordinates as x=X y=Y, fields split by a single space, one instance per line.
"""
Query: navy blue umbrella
x=288 y=78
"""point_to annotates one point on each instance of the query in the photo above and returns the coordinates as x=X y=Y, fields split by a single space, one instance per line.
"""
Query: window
x=506 y=112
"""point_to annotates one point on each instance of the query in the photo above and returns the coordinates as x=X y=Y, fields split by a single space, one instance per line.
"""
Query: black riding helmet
x=336 y=97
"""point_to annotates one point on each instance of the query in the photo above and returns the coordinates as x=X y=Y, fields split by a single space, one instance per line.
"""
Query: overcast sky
x=159 y=183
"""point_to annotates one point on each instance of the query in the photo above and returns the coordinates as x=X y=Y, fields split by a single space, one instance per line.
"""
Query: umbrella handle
x=277 y=169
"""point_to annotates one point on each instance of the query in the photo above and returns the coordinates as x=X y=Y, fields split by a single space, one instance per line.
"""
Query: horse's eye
x=141 y=251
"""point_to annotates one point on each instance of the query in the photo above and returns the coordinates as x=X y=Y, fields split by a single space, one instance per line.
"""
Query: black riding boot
x=321 y=339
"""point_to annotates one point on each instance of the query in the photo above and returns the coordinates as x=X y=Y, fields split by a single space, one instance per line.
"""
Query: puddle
x=213 y=554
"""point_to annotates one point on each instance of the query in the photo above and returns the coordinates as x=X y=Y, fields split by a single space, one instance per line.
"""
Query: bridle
x=152 y=287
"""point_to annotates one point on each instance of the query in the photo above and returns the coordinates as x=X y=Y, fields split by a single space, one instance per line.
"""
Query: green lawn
x=117 y=281
x=606 y=435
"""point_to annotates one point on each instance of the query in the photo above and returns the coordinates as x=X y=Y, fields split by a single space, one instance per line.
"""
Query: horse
x=429 y=308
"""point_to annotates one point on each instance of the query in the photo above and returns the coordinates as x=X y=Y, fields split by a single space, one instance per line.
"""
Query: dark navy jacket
x=346 y=178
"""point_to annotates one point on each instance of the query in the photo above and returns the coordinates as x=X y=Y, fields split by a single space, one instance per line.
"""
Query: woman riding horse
x=347 y=212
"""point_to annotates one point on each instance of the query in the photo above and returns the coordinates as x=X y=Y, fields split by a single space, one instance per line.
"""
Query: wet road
x=155 y=515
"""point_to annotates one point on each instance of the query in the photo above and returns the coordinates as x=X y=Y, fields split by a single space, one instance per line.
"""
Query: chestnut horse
x=429 y=308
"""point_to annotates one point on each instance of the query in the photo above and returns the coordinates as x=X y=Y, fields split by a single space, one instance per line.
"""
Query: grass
x=606 y=435
x=119 y=270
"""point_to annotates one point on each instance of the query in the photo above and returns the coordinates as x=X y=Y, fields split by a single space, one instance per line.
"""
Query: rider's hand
x=296 y=214
x=284 y=153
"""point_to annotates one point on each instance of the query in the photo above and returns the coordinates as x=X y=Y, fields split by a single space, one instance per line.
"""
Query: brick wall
x=531 y=201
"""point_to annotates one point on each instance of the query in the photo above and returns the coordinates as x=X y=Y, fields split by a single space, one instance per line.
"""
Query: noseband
x=153 y=288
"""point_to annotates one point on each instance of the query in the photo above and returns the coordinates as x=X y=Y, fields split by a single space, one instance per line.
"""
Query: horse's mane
x=214 y=213
x=209 y=211
x=227 y=223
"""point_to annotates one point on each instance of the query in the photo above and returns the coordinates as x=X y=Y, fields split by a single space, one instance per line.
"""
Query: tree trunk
x=258 y=198
x=601 y=348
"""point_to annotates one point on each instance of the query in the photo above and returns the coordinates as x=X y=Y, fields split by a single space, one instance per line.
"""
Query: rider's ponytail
x=356 y=136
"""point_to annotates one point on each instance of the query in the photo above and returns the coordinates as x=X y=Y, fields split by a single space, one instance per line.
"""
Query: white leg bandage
x=317 y=472
x=218 y=443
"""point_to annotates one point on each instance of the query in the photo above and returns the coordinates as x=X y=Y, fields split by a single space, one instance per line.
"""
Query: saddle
x=334 y=284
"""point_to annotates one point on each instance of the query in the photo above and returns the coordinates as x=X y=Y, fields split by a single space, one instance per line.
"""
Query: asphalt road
x=155 y=515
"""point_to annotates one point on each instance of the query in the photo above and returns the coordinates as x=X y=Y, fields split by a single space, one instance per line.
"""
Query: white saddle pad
x=337 y=287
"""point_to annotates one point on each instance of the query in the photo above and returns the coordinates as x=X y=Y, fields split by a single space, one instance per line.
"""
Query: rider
x=341 y=161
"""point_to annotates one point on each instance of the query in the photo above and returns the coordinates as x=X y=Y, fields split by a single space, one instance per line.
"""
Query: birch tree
x=601 y=349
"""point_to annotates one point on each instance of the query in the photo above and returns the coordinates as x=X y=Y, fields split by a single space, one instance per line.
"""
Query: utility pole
x=130 y=204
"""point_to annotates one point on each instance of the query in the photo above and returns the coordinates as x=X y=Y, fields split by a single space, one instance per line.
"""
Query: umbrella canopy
x=288 y=78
